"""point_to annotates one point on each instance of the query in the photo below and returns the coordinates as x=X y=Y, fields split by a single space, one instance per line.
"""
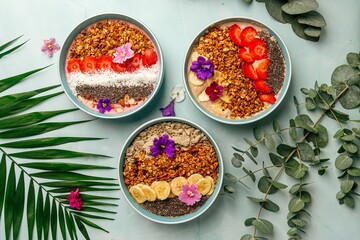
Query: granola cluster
x=242 y=99
x=200 y=159
x=103 y=37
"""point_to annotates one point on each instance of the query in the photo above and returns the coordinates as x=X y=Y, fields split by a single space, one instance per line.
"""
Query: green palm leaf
x=18 y=211
x=25 y=105
x=9 y=200
x=30 y=209
x=46 y=142
x=62 y=166
x=30 y=118
x=12 y=81
x=54 y=154
x=53 y=211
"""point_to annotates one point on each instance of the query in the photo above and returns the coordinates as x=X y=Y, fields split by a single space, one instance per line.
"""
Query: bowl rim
x=281 y=94
x=66 y=46
x=162 y=219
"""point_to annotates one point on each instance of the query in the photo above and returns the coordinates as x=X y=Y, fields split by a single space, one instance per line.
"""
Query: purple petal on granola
x=204 y=68
x=168 y=111
x=104 y=105
x=163 y=144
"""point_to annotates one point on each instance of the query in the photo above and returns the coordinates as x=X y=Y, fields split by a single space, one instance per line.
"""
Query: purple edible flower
x=104 y=105
x=189 y=194
x=168 y=111
x=204 y=69
x=163 y=144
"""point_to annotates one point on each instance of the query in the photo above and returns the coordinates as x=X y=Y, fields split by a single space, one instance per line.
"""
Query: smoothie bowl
x=237 y=70
x=111 y=66
x=170 y=170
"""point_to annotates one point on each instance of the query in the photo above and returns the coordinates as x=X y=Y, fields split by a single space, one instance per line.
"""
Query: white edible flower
x=177 y=93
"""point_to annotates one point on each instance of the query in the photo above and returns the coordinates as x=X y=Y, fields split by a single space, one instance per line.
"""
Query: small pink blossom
x=50 y=46
x=123 y=53
x=189 y=194
x=75 y=199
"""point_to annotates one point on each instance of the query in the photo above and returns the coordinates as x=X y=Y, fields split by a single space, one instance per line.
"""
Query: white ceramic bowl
x=280 y=95
x=163 y=219
x=78 y=30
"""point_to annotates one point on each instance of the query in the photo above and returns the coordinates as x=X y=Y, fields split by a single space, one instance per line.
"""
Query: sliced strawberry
x=262 y=68
x=245 y=55
x=88 y=65
x=270 y=98
x=118 y=67
x=234 y=34
x=249 y=71
x=247 y=35
x=73 y=65
x=149 y=58
x=133 y=63
x=104 y=63
x=262 y=87
x=258 y=49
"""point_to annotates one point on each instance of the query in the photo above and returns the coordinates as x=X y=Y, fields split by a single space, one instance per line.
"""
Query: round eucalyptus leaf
x=285 y=150
x=274 y=9
x=264 y=185
x=296 y=204
x=343 y=73
x=343 y=162
x=354 y=171
x=349 y=201
x=247 y=237
x=293 y=231
x=236 y=162
x=278 y=185
x=299 y=30
x=353 y=59
x=263 y=226
x=338 y=115
x=313 y=31
x=258 y=133
x=276 y=160
x=294 y=189
x=291 y=215
x=351 y=98
x=299 y=222
x=229 y=189
x=350 y=147
x=312 y=18
x=304 y=91
x=306 y=151
x=347 y=185
x=295 y=170
x=231 y=177
x=340 y=195
x=348 y=138
x=254 y=151
x=257 y=200
x=299 y=6
x=305 y=122
x=248 y=222
x=305 y=196
x=321 y=138
x=339 y=133
x=271 y=206
x=269 y=142
x=309 y=103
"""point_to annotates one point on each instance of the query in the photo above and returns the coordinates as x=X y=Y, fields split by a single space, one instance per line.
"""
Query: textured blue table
x=175 y=23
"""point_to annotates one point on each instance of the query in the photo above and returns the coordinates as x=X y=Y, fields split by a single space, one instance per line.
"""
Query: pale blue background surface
x=175 y=23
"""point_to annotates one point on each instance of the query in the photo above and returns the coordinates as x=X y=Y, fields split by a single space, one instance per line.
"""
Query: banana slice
x=194 y=178
x=204 y=186
x=162 y=189
x=203 y=97
x=225 y=97
x=150 y=193
x=193 y=79
x=212 y=185
x=218 y=77
x=176 y=185
x=217 y=106
x=137 y=194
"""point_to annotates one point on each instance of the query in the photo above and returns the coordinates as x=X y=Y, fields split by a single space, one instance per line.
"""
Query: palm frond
x=50 y=181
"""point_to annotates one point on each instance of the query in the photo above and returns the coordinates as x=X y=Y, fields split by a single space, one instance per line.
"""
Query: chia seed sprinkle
x=276 y=70
x=172 y=207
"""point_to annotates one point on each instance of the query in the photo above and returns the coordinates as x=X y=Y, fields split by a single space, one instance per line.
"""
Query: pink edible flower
x=123 y=53
x=75 y=199
x=189 y=194
x=50 y=46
